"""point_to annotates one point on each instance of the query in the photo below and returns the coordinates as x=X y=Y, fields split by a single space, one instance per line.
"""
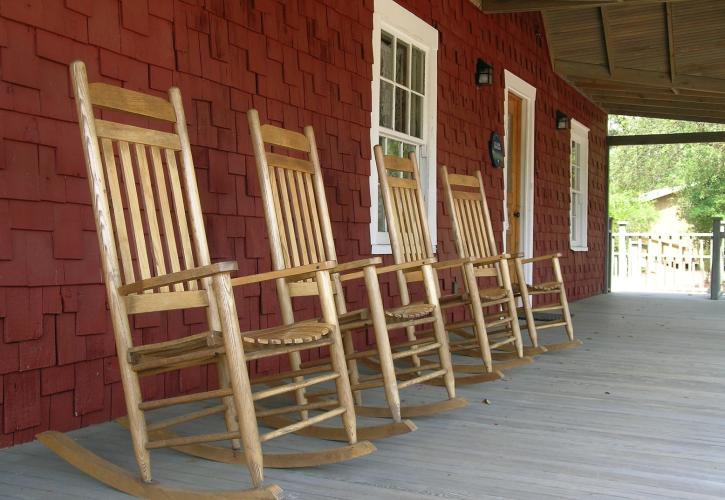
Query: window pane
x=408 y=148
x=401 y=63
x=574 y=229
x=393 y=147
x=416 y=115
x=386 y=55
x=418 y=71
x=401 y=110
x=575 y=149
x=386 y=104
x=575 y=178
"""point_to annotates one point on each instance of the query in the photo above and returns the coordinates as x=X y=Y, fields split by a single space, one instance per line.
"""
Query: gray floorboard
x=637 y=412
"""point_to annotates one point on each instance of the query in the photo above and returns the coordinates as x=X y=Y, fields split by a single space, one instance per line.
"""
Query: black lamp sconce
x=563 y=122
x=484 y=73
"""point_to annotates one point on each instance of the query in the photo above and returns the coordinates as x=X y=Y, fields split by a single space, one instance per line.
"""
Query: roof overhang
x=661 y=59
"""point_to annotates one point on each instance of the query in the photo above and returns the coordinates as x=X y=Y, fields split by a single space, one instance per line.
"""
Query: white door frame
x=527 y=93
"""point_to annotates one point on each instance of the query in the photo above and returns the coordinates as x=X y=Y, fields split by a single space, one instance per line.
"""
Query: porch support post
x=608 y=246
x=608 y=256
x=622 y=261
x=715 y=264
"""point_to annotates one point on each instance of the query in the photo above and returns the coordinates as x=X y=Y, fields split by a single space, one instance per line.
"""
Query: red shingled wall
x=297 y=62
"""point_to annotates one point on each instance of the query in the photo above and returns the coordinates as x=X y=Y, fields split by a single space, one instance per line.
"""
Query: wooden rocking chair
x=155 y=258
x=301 y=233
x=410 y=240
x=474 y=237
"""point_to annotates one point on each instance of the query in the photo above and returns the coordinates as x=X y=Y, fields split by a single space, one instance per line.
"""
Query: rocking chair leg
x=239 y=378
x=132 y=395
x=479 y=323
x=230 y=416
x=352 y=368
x=405 y=300
x=444 y=353
x=337 y=355
x=526 y=304
x=295 y=359
x=512 y=311
x=383 y=342
x=564 y=301
x=139 y=436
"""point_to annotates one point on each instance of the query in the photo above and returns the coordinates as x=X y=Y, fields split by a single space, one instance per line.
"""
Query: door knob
x=517 y=214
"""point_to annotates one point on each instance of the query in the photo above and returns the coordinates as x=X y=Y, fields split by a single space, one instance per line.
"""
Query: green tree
x=635 y=170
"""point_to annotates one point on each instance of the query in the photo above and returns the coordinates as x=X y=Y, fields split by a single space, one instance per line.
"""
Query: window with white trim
x=404 y=106
x=579 y=174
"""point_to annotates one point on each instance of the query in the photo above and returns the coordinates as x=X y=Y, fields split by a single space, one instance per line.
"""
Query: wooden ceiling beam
x=670 y=41
x=576 y=70
x=509 y=6
x=656 y=100
x=619 y=87
x=680 y=138
x=673 y=105
x=658 y=113
x=604 y=16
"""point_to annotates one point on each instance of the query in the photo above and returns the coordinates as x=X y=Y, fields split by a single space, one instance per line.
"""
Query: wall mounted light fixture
x=484 y=73
x=563 y=122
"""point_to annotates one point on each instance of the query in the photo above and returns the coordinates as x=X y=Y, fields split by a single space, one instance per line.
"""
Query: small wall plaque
x=495 y=150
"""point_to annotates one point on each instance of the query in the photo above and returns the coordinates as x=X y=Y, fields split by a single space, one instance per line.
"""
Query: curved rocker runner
x=112 y=475
x=290 y=460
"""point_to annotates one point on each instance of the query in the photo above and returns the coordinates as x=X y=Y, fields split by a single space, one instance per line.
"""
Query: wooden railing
x=675 y=262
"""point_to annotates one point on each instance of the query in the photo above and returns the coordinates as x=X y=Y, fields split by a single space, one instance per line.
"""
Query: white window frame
x=580 y=134
x=394 y=19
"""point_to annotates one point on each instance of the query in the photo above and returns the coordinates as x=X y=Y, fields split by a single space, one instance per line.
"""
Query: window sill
x=385 y=249
x=381 y=249
x=579 y=248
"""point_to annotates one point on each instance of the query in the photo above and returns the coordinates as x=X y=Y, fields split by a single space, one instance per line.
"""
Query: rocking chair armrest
x=178 y=277
x=552 y=256
x=405 y=266
x=448 y=264
x=482 y=261
x=297 y=273
x=388 y=269
x=356 y=264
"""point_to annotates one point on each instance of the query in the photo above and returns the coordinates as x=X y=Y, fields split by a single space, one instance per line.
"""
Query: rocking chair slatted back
x=294 y=198
x=472 y=230
x=155 y=219
x=404 y=204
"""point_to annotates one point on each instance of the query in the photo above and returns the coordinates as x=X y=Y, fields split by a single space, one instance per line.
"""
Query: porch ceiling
x=661 y=59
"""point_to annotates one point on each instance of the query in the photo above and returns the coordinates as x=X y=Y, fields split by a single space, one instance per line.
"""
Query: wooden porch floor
x=638 y=412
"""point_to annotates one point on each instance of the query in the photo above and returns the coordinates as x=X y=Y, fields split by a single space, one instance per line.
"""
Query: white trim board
x=527 y=93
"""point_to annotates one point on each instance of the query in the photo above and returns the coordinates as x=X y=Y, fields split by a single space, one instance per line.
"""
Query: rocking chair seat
x=492 y=293
x=411 y=311
x=356 y=315
x=549 y=286
x=288 y=334
x=169 y=355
